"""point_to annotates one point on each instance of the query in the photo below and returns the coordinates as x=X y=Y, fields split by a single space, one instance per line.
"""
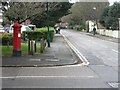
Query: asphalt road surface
x=102 y=71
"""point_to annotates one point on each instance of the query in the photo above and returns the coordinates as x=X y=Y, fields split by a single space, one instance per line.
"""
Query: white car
x=2 y=30
x=23 y=28
x=32 y=26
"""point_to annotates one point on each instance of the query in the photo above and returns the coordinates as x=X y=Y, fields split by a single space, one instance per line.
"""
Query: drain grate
x=114 y=84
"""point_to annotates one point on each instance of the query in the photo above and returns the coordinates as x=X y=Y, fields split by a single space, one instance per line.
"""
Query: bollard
x=31 y=49
x=42 y=45
x=35 y=47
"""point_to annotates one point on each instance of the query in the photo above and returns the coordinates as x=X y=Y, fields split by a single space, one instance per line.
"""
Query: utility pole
x=119 y=23
x=95 y=16
x=1 y=20
x=48 y=34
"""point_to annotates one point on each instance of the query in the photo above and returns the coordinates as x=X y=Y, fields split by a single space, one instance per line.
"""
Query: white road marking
x=82 y=58
x=114 y=84
x=54 y=60
x=115 y=51
x=46 y=77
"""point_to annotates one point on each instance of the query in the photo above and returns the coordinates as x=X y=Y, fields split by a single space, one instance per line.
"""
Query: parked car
x=7 y=29
x=32 y=26
x=23 y=28
x=2 y=30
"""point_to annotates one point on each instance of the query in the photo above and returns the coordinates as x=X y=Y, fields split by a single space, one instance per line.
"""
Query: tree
x=54 y=15
x=5 y=21
x=110 y=15
x=83 y=11
x=36 y=11
x=23 y=10
x=104 y=14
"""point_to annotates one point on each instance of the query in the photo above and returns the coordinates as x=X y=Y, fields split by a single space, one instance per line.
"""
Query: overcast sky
x=112 y=1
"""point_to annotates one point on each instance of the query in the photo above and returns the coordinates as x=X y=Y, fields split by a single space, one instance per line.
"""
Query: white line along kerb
x=115 y=51
x=15 y=77
x=81 y=57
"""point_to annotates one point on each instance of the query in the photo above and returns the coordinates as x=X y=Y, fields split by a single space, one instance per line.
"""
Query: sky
x=112 y=1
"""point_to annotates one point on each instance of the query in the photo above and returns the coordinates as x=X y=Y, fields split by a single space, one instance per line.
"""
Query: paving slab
x=58 y=54
x=103 y=37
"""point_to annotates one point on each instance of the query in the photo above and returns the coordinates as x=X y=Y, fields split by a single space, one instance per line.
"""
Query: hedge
x=45 y=30
x=7 y=39
x=38 y=33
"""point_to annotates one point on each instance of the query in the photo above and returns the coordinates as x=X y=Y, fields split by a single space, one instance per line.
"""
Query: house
x=90 y=24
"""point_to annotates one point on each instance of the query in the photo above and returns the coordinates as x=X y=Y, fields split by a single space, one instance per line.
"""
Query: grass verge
x=7 y=51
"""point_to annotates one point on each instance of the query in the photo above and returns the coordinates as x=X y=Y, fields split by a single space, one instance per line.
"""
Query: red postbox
x=17 y=39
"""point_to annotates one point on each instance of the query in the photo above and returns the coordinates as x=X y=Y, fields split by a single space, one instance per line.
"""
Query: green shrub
x=45 y=31
x=32 y=35
x=79 y=27
x=71 y=27
x=7 y=39
x=39 y=33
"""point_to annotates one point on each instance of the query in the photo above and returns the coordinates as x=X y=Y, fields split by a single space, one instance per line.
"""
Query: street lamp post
x=48 y=34
x=1 y=20
x=94 y=8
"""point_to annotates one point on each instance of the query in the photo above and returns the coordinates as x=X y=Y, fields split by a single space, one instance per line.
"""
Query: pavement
x=103 y=37
x=58 y=54
x=100 y=73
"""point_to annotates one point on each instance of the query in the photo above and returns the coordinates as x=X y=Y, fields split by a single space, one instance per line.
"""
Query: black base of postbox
x=17 y=53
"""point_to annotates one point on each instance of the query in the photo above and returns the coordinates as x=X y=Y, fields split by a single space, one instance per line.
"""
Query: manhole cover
x=52 y=60
x=114 y=84
x=34 y=59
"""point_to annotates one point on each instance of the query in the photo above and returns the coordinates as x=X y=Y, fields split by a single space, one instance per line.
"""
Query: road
x=97 y=51
x=102 y=71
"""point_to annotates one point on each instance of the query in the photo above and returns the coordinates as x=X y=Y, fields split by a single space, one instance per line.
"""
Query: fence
x=110 y=33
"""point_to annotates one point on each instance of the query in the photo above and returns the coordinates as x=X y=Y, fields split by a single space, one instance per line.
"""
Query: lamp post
x=94 y=8
x=48 y=34
x=1 y=20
